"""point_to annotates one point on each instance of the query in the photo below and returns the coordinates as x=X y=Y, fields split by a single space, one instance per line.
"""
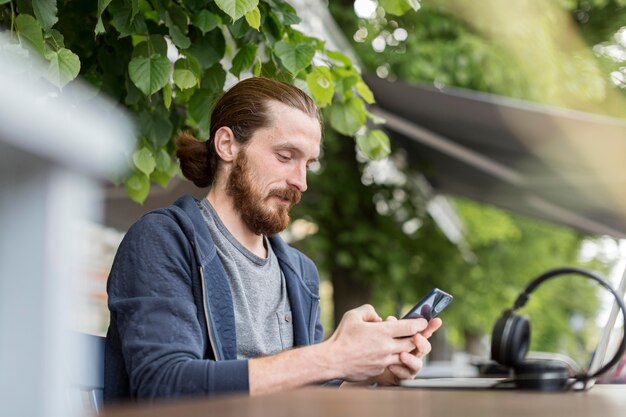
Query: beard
x=259 y=213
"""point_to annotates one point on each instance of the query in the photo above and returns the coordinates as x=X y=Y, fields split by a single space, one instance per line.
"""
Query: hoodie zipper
x=206 y=315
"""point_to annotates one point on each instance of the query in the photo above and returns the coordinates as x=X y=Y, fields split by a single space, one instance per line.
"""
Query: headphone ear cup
x=541 y=375
x=510 y=339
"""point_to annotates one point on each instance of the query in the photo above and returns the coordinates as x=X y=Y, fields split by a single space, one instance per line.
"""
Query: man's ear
x=226 y=145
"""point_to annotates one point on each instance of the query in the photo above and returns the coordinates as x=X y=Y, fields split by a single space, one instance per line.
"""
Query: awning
x=563 y=166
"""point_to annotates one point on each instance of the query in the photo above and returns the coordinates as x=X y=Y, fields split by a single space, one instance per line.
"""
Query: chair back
x=87 y=386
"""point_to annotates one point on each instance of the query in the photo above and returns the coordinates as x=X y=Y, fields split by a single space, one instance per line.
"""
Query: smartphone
x=430 y=306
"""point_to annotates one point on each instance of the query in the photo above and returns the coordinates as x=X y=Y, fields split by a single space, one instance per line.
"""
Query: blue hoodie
x=172 y=329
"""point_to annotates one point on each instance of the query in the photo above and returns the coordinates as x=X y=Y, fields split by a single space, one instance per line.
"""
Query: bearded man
x=206 y=298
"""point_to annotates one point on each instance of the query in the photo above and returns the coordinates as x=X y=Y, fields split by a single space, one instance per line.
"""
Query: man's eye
x=283 y=158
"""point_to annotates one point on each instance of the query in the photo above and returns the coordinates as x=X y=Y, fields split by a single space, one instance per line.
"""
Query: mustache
x=290 y=194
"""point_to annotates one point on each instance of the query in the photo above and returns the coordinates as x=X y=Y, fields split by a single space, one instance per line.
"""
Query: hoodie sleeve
x=162 y=342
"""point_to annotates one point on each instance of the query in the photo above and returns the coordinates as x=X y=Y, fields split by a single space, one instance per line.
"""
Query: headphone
x=511 y=339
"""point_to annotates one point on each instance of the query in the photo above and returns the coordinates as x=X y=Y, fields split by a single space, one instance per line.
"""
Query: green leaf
x=345 y=83
x=199 y=108
x=214 y=78
x=258 y=66
x=179 y=38
x=184 y=79
x=156 y=127
x=144 y=161
x=133 y=94
x=244 y=59
x=125 y=19
x=209 y=49
x=134 y=8
x=205 y=21
x=138 y=187
x=271 y=70
x=200 y=104
x=163 y=161
x=99 y=27
x=162 y=176
x=193 y=5
x=399 y=7
x=64 y=66
x=46 y=12
x=286 y=14
x=253 y=18
x=167 y=95
x=189 y=63
x=149 y=74
x=294 y=57
x=29 y=28
x=183 y=96
x=102 y=5
x=414 y=4
x=239 y=29
x=321 y=85
x=187 y=73
x=339 y=57
x=375 y=144
x=236 y=8
x=273 y=30
x=296 y=37
x=376 y=119
x=176 y=21
x=155 y=44
x=178 y=17
x=365 y=92
x=347 y=117
x=54 y=40
x=165 y=168
x=4 y=1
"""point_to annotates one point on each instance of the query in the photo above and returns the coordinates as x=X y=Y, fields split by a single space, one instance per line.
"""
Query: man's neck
x=229 y=215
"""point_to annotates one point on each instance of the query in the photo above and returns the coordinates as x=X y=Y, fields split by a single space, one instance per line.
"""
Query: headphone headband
x=524 y=296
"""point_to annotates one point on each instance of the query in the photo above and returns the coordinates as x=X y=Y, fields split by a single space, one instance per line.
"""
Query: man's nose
x=298 y=178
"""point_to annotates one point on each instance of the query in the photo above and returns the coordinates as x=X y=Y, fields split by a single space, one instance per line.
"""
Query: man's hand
x=363 y=345
x=411 y=362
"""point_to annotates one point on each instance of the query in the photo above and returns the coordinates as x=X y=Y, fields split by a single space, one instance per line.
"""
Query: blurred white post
x=55 y=147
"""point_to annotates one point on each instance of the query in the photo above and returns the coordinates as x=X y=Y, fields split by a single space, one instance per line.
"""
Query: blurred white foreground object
x=56 y=147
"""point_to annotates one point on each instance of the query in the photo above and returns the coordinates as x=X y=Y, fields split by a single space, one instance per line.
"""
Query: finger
x=393 y=360
x=422 y=345
x=404 y=344
x=433 y=326
x=391 y=318
x=412 y=363
x=404 y=328
x=401 y=372
x=367 y=313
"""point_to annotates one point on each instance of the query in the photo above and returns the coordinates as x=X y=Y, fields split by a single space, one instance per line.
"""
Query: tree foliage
x=567 y=53
x=376 y=234
x=168 y=60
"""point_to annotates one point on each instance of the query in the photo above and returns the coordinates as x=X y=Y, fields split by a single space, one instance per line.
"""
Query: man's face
x=268 y=176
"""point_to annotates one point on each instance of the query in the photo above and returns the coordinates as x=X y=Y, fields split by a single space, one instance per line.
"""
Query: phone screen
x=430 y=306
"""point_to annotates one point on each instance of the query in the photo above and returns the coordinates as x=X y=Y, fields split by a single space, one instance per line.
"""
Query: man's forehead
x=276 y=108
x=282 y=121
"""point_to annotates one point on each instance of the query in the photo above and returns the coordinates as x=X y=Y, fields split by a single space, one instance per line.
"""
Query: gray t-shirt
x=262 y=311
